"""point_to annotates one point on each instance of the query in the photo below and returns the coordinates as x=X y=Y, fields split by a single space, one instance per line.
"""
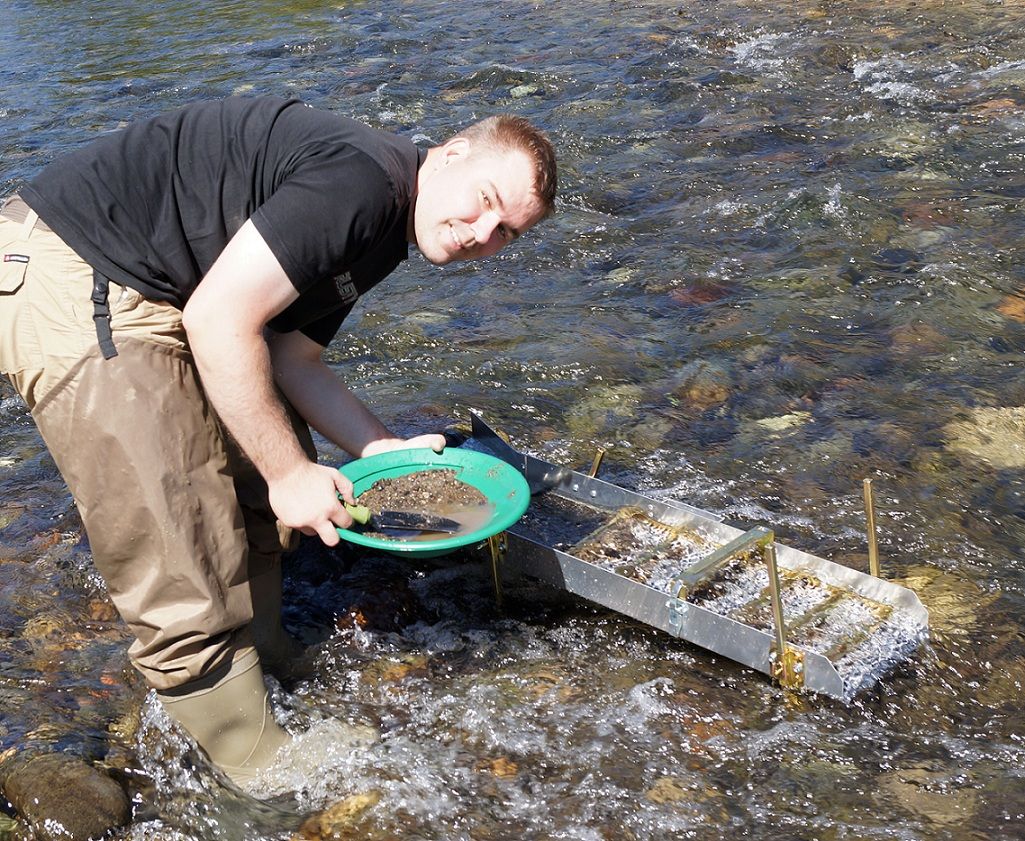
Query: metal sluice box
x=807 y=622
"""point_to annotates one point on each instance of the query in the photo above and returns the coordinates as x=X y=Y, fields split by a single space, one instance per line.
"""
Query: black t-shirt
x=153 y=206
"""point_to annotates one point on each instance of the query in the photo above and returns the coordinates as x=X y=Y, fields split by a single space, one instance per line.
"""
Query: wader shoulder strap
x=101 y=315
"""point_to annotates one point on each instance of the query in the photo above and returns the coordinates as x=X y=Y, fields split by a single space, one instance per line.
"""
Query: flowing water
x=788 y=256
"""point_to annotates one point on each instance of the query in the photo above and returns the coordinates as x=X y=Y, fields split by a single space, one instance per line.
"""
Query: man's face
x=472 y=205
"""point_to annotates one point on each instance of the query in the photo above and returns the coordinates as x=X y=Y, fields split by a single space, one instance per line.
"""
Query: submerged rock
x=701 y=385
x=63 y=798
x=954 y=603
x=667 y=790
x=781 y=423
x=916 y=339
x=995 y=436
x=603 y=408
x=521 y=91
x=939 y=799
x=1013 y=307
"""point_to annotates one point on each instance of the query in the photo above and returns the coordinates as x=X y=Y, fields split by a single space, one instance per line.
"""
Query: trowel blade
x=413 y=521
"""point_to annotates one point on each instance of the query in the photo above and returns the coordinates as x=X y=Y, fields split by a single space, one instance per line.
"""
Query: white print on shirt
x=346 y=289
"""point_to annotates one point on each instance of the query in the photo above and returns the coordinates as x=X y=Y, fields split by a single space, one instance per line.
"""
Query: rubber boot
x=281 y=654
x=230 y=718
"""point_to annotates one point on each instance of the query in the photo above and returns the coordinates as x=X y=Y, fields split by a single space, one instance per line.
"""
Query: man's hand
x=435 y=441
x=307 y=499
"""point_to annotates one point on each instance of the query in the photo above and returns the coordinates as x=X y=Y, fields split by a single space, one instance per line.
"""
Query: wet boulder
x=63 y=798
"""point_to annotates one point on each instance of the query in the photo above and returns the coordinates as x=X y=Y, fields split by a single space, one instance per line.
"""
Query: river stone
x=994 y=436
x=603 y=408
x=63 y=798
x=702 y=385
x=916 y=339
x=938 y=799
x=667 y=790
x=650 y=432
x=336 y=821
x=954 y=603
x=623 y=274
x=521 y=91
x=502 y=767
x=782 y=423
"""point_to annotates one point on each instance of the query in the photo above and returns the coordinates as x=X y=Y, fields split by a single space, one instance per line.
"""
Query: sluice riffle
x=787 y=257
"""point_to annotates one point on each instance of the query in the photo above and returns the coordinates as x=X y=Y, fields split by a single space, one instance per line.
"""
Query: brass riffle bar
x=870 y=516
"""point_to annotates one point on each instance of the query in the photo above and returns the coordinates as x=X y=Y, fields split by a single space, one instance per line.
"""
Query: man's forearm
x=328 y=406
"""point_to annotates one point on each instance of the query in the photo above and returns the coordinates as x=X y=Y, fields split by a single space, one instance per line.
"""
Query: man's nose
x=485 y=226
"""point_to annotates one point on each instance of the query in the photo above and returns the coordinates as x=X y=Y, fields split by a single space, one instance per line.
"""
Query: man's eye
x=484 y=198
x=503 y=232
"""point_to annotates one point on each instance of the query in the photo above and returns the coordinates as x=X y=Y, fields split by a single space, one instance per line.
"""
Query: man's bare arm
x=225 y=320
x=329 y=407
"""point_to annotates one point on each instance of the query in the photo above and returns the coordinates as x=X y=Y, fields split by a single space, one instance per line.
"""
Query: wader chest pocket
x=13 y=269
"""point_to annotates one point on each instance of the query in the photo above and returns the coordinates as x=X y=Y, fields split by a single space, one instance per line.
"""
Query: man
x=165 y=296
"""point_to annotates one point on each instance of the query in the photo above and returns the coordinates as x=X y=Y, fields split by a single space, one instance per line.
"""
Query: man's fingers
x=344 y=488
x=328 y=534
x=436 y=441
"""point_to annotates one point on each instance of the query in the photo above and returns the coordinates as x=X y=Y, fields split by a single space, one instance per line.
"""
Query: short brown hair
x=508 y=132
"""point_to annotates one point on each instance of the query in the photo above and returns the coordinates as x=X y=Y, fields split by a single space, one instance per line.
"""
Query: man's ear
x=454 y=149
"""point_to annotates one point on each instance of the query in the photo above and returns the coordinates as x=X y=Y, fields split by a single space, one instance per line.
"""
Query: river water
x=788 y=256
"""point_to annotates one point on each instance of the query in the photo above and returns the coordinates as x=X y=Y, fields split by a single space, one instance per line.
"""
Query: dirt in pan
x=436 y=492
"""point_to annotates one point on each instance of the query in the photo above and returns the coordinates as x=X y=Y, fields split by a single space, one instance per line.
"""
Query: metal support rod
x=598 y=456
x=788 y=667
x=870 y=516
x=769 y=553
x=497 y=543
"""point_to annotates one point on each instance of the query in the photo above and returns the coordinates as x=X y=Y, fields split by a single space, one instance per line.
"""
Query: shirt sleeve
x=323 y=330
x=315 y=315
x=330 y=211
